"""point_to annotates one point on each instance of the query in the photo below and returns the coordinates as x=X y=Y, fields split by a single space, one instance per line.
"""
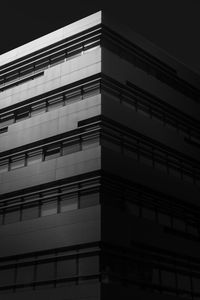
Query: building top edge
x=90 y=21
x=51 y=38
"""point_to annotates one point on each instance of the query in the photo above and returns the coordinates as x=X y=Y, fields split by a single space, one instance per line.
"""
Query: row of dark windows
x=63 y=198
x=150 y=153
x=178 y=216
x=169 y=213
x=152 y=270
x=143 y=103
x=152 y=107
x=148 y=63
x=27 y=70
x=60 y=268
x=46 y=104
x=71 y=144
x=57 y=53
x=129 y=144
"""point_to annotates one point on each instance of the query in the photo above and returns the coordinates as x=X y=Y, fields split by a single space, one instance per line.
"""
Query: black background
x=173 y=25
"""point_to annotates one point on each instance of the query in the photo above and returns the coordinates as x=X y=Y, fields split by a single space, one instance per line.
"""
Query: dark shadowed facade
x=99 y=168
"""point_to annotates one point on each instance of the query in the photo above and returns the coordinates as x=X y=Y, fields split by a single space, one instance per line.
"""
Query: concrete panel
x=38 y=173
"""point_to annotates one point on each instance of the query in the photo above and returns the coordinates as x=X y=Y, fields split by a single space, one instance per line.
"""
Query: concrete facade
x=99 y=168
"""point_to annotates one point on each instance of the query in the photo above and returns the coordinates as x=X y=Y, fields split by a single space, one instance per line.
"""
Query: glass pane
x=3 y=165
x=71 y=146
x=192 y=229
x=149 y=213
x=7 y=277
x=30 y=212
x=12 y=216
x=90 y=141
x=38 y=109
x=168 y=279
x=183 y=282
x=68 y=202
x=89 y=198
x=55 y=102
x=155 y=276
x=66 y=268
x=132 y=208
x=91 y=90
x=34 y=156
x=22 y=116
x=72 y=96
x=49 y=208
x=25 y=274
x=7 y=120
x=179 y=224
x=88 y=265
x=45 y=271
x=1 y=217
x=17 y=162
x=52 y=152
x=164 y=219
x=196 y=284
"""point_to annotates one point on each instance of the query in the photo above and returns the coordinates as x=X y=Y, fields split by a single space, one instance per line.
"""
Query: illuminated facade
x=99 y=168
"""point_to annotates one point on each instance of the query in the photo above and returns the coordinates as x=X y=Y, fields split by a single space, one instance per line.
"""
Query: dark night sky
x=173 y=25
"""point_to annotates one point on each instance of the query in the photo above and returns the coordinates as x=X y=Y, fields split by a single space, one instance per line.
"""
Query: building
x=99 y=168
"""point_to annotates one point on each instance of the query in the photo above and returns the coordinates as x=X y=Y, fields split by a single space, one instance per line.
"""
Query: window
x=12 y=215
x=164 y=219
x=89 y=198
x=91 y=89
x=55 y=102
x=184 y=282
x=38 y=108
x=90 y=141
x=132 y=208
x=34 y=156
x=71 y=146
x=26 y=70
x=12 y=76
x=57 y=58
x=17 y=161
x=148 y=213
x=22 y=115
x=7 y=276
x=73 y=95
x=3 y=130
x=69 y=202
x=168 y=278
x=3 y=165
x=30 y=211
x=42 y=64
x=88 y=265
x=25 y=274
x=7 y=119
x=45 y=271
x=66 y=268
x=52 y=151
x=49 y=207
